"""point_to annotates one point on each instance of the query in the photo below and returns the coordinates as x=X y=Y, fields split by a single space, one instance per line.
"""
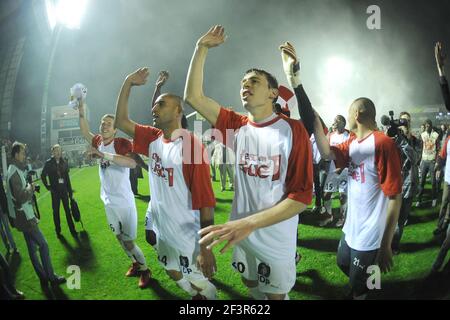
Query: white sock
x=209 y=291
x=256 y=294
x=327 y=206
x=286 y=297
x=129 y=254
x=186 y=286
x=138 y=255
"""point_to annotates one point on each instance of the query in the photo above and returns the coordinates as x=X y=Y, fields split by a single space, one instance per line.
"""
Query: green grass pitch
x=103 y=263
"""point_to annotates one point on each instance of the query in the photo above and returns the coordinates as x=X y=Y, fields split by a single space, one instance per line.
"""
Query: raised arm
x=291 y=67
x=193 y=92
x=123 y=122
x=440 y=59
x=162 y=78
x=84 y=125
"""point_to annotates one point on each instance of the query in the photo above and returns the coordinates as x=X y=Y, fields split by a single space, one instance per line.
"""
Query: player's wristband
x=108 y=156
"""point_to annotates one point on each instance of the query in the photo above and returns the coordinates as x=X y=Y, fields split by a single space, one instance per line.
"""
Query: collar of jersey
x=266 y=122
x=365 y=138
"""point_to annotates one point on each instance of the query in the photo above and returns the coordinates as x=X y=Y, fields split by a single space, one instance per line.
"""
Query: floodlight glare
x=338 y=70
x=66 y=12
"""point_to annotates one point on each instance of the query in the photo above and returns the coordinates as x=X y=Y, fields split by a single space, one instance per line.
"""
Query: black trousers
x=59 y=196
x=6 y=280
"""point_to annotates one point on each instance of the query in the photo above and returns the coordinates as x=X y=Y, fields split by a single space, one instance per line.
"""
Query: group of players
x=273 y=181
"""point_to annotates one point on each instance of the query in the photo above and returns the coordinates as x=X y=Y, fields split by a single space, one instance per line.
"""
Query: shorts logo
x=184 y=263
x=104 y=164
x=264 y=273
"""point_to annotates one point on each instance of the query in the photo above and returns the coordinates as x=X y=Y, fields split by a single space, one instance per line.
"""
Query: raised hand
x=162 y=78
x=213 y=38
x=139 y=77
x=291 y=64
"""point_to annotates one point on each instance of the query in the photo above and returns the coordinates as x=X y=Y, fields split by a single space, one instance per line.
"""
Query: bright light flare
x=66 y=12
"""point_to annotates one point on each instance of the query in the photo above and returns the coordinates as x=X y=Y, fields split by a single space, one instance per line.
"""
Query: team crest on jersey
x=159 y=170
x=260 y=166
x=104 y=164
x=357 y=172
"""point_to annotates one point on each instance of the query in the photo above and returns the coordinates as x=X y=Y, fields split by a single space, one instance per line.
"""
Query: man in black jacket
x=60 y=187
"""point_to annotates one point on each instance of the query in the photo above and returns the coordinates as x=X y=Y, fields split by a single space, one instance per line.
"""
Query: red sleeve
x=443 y=153
x=299 y=176
x=196 y=173
x=122 y=146
x=143 y=136
x=229 y=120
x=96 y=141
x=342 y=153
x=388 y=162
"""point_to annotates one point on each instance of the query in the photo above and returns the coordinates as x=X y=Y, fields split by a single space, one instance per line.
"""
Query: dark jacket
x=3 y=201
x=54 y=172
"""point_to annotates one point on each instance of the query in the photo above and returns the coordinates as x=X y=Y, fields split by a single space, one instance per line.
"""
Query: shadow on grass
x=58 y=293
x=14 y=261
x=161 y=292
x=81 y=255
x=319 y=286
x=324 y=245
x=224 y=200
x=234 y=295
x=411 y=247
x=425 y=288
x=422 y=218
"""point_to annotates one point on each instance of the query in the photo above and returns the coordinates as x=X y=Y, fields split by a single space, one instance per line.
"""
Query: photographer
x=19 y=200
x=57 y=169
x=409 y=145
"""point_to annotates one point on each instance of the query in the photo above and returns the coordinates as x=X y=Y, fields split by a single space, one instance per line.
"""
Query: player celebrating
x=273 y=177
x=180 y=183
x=116 y=191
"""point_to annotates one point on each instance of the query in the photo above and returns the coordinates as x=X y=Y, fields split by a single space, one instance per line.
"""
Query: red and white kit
x=180 y=185
x=273 y=162
x=374 y=175
x=337 y=182
x=115 y=190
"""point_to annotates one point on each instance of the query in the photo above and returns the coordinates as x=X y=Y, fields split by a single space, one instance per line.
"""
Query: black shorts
x=354 y=264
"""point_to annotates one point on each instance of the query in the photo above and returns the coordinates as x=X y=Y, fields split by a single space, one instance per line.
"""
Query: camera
x=393 y=124
x=30 y=174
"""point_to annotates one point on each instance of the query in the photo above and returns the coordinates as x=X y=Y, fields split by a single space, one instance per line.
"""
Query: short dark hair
x=404 y=113
x=273 y=83
x=342 y=119
x=428 y=121
x=16 y=147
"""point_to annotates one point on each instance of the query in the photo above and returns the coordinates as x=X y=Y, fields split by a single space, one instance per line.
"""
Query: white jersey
x=179 y=186
x=115 y=180
x=273 y=162
x=335 y=138
x=444 y=156
x=374 y=174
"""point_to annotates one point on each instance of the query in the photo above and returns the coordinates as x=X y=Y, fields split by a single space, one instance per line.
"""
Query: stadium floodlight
x=65 y=12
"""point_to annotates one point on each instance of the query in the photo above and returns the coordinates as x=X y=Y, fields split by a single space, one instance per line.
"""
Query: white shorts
x=173 y=259
x=337 y=182
x=148 y=218
x=275 y=277
x=123 y=222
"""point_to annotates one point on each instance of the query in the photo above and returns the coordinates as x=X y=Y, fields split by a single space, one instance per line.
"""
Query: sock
x=344 y=210
x=139 y=257
x=209 y=291
x=327 y=205
x=286 y=297
x=129 y=254
x=256 y=294
x=186 y=286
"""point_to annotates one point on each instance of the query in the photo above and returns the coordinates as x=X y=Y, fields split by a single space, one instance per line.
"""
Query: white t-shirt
x=180 y=184
x=374 y=174
x=115 y=188
x=429 y=145
x=273 y=162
